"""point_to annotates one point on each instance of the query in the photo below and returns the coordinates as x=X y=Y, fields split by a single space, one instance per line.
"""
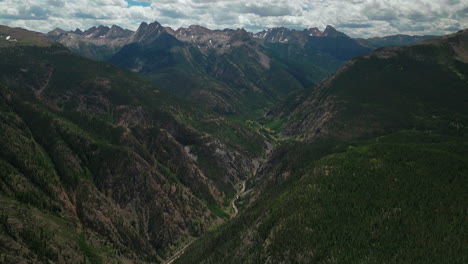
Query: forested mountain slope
x=394 y=40
x=421 y=86
x=97 y=165
x=378 y=174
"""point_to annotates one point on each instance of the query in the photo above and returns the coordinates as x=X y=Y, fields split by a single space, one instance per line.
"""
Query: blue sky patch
x=137 y=3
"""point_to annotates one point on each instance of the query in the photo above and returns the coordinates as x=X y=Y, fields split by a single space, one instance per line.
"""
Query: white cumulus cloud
x=360 y=18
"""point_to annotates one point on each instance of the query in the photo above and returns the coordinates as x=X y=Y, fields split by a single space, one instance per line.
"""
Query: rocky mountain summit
x=284 y=35
x=105 y=36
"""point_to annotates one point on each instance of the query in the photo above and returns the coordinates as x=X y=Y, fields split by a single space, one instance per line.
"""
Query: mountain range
x=226 y=146
x=233 y=72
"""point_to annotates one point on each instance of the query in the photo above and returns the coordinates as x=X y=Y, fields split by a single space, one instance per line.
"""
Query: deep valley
x=226 y=146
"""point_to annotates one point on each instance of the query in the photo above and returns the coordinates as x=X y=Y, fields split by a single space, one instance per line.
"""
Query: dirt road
x=233 y=201
x=234 y=214
x=178 y=253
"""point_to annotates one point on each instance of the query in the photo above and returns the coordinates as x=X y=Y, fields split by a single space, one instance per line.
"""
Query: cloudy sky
x=358 y=18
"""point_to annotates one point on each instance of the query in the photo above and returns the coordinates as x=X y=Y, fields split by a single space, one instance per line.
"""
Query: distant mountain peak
x=56 y=32
x=96 y=32
x=313 y=32
x=118 y=32
x=196 y=29
x=285 y=35
x=281 y=29
x=90 y=31
x=332 y=32
x=148 y=32
x=193 y=27
x=142 y=26
x=240 y=35
x=154 y=24
x=78 y=31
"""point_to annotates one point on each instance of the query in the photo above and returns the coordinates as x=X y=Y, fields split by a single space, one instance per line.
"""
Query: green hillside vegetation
x=394 y=40
x=377 y=175
x=395 y=199
x=419 y=87
x=235 y=81
x=98 y=166
x=19 y=36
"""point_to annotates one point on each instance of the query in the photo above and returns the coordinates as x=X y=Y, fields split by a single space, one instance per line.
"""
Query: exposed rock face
x=332 y=32
x=147 y=33
x=96 y=42
x=285 y=35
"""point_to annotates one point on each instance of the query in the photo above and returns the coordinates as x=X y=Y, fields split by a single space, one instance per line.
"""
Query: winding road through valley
x=234 y=214
x=233 y=201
